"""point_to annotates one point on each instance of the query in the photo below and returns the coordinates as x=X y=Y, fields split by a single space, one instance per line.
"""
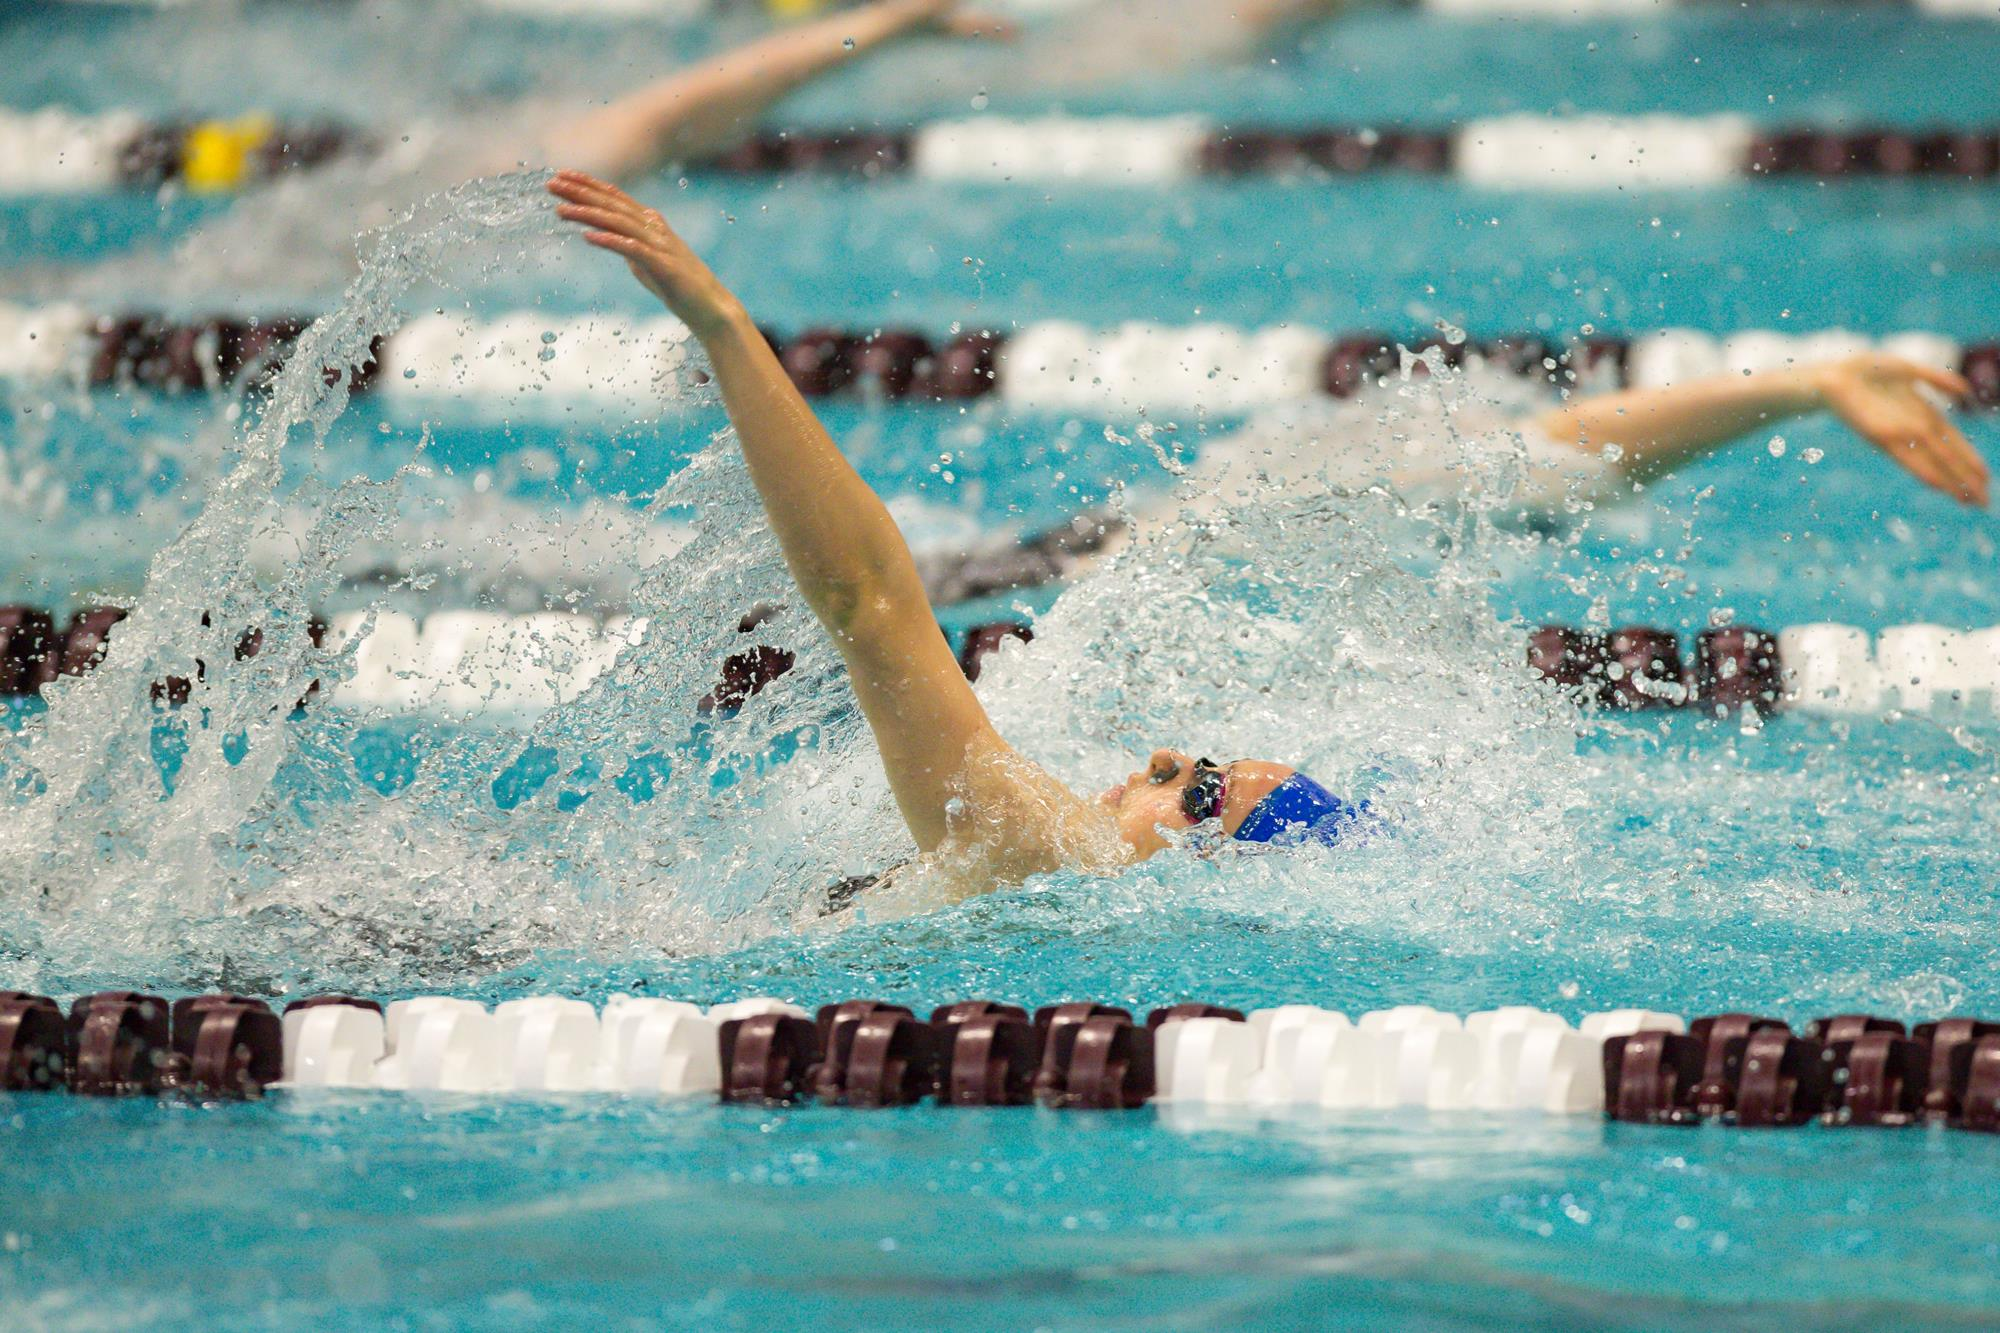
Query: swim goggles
x=1203 y=797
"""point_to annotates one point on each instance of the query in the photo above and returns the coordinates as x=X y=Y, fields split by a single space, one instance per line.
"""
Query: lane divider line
x=56 y=151
x=466 y=663
x=1735 y=1069
x=525 y=362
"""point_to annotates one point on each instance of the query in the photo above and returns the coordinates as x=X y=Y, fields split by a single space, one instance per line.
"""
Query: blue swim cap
x=1299 y=810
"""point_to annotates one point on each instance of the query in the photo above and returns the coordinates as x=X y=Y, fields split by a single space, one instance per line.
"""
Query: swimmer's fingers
x=569 y=179
x=638 y=251
x=588 y=191
x=656 y=276
x=660 y=259
x=656 y=270
x=1959 y=470
x=676 y=276
x=647 y=227
x=1937 y=454
x=1882 y=399
x=1948 y=382
x=606 y=207
x=1971 y=482
x=621 y=207
x=578 y=186
x=1919 y=464
x=644 y=226
x=1885 y=370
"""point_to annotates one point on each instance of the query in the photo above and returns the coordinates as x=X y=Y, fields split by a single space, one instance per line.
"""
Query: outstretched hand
x=657 y=257
x=1878 y=396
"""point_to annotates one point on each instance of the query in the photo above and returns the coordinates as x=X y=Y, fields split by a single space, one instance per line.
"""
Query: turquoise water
x=372 y=1212
x=1809 y=867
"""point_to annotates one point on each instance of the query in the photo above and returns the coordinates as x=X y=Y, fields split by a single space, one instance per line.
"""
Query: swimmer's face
x=1154 y=798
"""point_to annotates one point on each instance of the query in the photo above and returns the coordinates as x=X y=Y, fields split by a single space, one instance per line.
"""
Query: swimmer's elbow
x=865 y=611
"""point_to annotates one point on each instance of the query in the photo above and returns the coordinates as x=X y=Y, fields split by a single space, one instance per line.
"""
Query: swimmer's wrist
x=720 y=320
x=1815 y=388
x=727 y=326
x=1796 y=388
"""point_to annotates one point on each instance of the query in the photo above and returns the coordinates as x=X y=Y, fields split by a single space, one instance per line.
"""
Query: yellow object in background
x=215 y=156
x=795 y=9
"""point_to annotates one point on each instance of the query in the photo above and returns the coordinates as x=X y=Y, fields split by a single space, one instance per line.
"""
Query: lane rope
x=1637 y=1065
x=527 y=362
x=52 y=150
x=465 y=663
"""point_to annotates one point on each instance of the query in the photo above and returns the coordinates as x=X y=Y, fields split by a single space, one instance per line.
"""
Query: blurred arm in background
x=708 y=108
x=1657 y=431
x=1590 y=445
x=1116 y=40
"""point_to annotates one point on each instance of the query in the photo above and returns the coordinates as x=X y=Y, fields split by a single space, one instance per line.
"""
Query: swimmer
x=687 y=117
x=698 y=113
x=1600 y=448
x=968 y=798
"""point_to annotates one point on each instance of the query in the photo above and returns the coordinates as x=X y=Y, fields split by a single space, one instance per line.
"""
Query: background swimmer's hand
x=657 y=257
x=1878 y=396
x=953 y=19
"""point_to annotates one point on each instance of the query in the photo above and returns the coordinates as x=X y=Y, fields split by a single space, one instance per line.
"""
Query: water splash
x=1289 y=612
x=275 y=848
x=331 y=846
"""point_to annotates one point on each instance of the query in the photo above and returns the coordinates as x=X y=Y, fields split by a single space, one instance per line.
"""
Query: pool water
x=1672 y=862
x=355 y=1211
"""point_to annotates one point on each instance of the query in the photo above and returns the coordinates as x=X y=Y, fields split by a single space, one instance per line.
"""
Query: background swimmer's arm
x=1264 y=18
x=1123 y=39
x=707 y=109
x=1659 y=430
x=844 y=550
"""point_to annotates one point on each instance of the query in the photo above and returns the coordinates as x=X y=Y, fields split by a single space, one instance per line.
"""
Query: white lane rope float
x=52 y=150
x=1736 y=1069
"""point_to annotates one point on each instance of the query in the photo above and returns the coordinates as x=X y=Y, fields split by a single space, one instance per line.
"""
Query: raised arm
x=706 y=109
x=1660 y=430
x=848 y=557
